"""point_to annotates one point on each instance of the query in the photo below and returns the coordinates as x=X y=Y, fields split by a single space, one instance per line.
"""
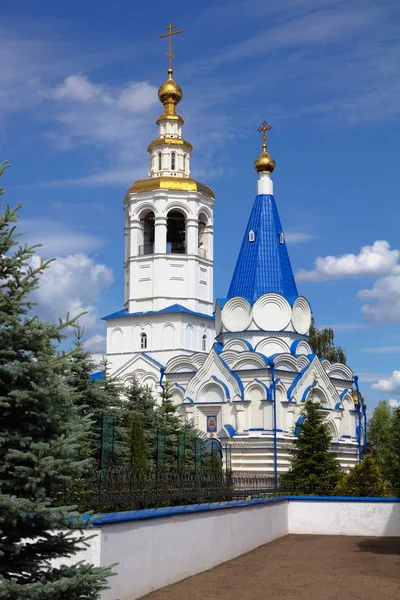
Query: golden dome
x=170 y=91
x=264 y=163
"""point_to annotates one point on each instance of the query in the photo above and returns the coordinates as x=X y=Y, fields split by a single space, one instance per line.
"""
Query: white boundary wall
x=364 y=518
x=154 y=548
x=156 y=552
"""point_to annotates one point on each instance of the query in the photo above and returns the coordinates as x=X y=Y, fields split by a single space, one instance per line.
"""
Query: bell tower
x=168 y=264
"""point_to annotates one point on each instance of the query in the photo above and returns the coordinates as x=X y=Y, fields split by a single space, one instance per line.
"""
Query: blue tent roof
x=263 y=265
x=174 y=308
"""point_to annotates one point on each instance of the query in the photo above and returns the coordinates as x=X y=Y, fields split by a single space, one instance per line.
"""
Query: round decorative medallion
x=272 y=312
x=236 y=314
x=301 y=315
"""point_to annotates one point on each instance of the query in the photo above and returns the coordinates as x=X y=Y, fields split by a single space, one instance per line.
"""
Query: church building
x=241 y=368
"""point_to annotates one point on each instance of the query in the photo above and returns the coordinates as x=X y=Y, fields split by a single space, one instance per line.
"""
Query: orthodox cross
x=264 y=128
x=170 y=33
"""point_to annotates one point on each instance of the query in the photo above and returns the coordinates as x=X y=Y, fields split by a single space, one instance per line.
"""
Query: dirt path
x=300 y=567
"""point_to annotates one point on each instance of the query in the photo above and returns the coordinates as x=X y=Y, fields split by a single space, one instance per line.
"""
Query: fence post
x=160 y=449
x=107 y=440
x=181 y=449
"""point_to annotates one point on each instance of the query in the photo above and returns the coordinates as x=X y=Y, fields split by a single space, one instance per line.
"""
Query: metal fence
x=116 y=489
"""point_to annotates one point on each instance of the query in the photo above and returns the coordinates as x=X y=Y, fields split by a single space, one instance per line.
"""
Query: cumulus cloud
x=377 y=259
x=97 y=344
x=394 y=403
x=383 y=300
x=391 y=384
x=57 y=238
x=72 y=284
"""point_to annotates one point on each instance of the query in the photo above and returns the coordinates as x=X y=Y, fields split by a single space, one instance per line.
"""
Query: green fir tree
x=314 y=469
x=364 y=479
x=91 y=396
x=39 y=436
x=393 y=459
x=138 y=418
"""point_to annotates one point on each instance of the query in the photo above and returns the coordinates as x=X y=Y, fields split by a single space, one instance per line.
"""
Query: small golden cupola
x=170 y=154
x=264 y=163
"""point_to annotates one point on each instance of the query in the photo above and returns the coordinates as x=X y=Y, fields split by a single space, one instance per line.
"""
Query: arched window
x=159 y=161
x=146 y=233
x=204 y=343
x=173 y=161
x=143 y=341
x=176 y=232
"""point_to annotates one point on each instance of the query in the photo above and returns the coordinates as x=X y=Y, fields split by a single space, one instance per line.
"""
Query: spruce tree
x=364 y=479
x=138 y=419
x=94 y=397
x=314 y=469
x=39 y=437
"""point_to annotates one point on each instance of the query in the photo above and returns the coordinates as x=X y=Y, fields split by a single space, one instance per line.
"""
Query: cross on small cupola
x=264 y=128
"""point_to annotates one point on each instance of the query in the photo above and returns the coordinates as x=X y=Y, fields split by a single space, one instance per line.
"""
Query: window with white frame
x=143 y=341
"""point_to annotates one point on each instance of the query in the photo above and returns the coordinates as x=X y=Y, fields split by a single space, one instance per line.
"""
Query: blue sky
x=78 y=103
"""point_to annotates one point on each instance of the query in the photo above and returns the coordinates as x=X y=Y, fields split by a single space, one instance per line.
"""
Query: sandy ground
x=300 y=567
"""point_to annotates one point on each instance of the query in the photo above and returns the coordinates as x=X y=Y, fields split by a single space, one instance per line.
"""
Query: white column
x=136 y=237
x=160 y=235
x=190 y=414
x=239 y=418
x=191 y=236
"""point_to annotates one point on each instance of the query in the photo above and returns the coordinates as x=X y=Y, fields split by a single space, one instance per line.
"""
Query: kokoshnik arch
x=241 y=369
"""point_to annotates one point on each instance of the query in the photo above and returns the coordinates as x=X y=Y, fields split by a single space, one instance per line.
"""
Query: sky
x=78 y=104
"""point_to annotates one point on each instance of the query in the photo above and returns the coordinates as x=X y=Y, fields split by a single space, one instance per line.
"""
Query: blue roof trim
x=218 y=347
x=179 y=386
x=295 y=381
x=98 y=376
x=238 y=380
x=308 y=389
x=263 y=265
x=174 y=308
x=191 y=401
x=226 y=389
x=342 y=395
x=231 y=430
x=169 y=511
x=339 y=405
x=264 y=385
x=152 y=360
x=270 y=389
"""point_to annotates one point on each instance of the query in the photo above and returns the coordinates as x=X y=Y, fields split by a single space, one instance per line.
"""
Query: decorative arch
x=189 y=333
x=333 y=430
x=272 y=345
x=168 y=337
x=286 y=362
x=180 y=364
x=140 y=210
x=180 y=206
x=212 y=392
x=229 y=356
x=339 y=371
x=117 y=338
x=238 y=345
x=249 y=360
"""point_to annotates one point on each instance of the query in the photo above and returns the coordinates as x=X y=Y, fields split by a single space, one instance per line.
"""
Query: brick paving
x=300 y=567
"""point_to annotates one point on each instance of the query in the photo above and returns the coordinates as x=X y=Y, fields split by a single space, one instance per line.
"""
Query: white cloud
x=97 y=343
x=72 y=284
x=77 y=87
x=394 y=403
x=391 y=384
x=346 y=326
x=299 y=237
x=56 y=238
x=385 y=297
x=368 y=377
x=377 y=259
x=382 y=350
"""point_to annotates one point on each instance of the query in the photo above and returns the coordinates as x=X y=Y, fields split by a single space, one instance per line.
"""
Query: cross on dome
x=170 y=33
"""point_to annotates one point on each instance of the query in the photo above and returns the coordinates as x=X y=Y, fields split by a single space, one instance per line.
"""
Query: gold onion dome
x=264 y=163
x=170 y=91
